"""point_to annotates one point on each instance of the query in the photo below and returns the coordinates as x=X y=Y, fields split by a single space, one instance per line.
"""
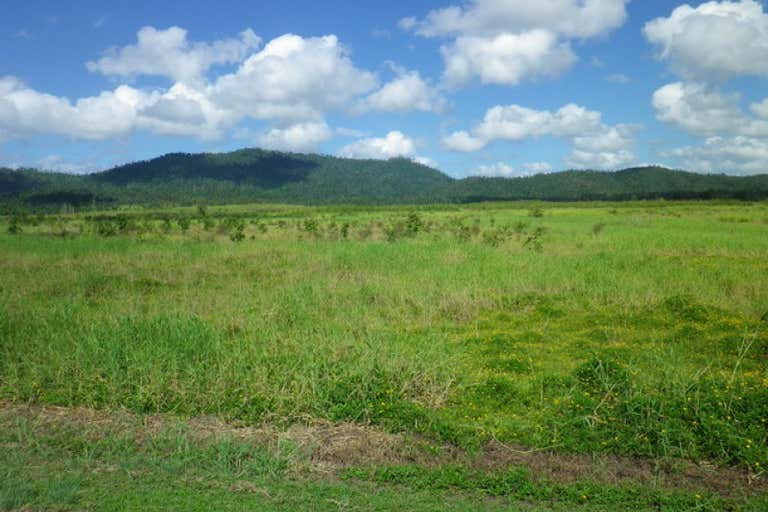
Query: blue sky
x=490 y=87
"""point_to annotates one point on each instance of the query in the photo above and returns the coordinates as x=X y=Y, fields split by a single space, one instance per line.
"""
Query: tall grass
x=286 y=325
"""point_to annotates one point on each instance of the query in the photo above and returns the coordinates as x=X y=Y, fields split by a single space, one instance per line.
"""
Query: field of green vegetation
x=508 y=356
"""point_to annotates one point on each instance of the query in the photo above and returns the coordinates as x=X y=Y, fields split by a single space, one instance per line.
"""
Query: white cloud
x=570 y=18
x=502 y=170
x=293 y=79
x=707 y=45
x=408 y=23
x=57 y=164
x=514 y=123
x=178 y=111
x=735 y=141
x=595 y=144
x=509 y=41
x=168 y=53
x=301 y=137
x=350 y=132
x=463 y=142
x=714 y=41
x=506 y=58
x=497 y=170
x=407 y=92
x=185 y=111
x=424 y=160
x=703 y=110
x=25 y=111
x=760 y=109
x=537 y=167
x=394 y=144
x=580 y=159
x=742 y=155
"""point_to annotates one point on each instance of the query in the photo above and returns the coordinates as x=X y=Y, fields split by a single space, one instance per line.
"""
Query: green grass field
x=628 y=335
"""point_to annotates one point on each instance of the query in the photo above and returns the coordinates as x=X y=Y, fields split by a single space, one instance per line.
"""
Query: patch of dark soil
x=327 y=447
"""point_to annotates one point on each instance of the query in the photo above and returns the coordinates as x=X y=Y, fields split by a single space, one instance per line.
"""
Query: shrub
x=533 y=240
x=122 y=223
x=183 y=223
x=598 y=228
x=311 y=227
x=106 y=228
x=237 y=232
x=413 y=224
x=14 y=228
x=493 y=237
x=208 y=223
x=394 y=231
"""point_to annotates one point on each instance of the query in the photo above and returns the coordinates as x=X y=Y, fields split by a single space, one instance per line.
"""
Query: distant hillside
x=254 y=175
x=634 y=183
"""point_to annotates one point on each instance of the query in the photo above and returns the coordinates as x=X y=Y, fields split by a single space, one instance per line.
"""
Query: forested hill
x=627 y=184
x=253 y=175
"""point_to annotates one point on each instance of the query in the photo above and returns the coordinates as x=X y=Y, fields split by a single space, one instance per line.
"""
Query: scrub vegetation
x=486 y=345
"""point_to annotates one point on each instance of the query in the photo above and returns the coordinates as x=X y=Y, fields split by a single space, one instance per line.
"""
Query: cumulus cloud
x=298 y=137
x=760 y=109
x=394 y=144
x=26 y=111
x=714 y=41
x=708 y=45
x=571 y=18
x=168 y=53
x=57 y=164
x=424 y=160
x=497 y=170
x=293 y=82
x=502 y=170
x=506 y=58
x=508 y=41
x=293 y=79
x=581 y=159
x=185 y=111
x=538 y=167
x=703 y=110
x=407 y=92
x=740 y=154
x=464 y=142
x=735 y=140
x=177 y=111
x=595 y=144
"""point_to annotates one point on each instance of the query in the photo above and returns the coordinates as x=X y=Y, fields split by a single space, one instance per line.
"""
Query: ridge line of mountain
x=256 y=175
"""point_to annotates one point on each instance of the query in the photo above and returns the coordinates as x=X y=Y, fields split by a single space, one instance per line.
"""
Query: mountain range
x=255 y=175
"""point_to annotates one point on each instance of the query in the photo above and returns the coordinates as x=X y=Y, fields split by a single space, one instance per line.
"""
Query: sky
x=473 y=87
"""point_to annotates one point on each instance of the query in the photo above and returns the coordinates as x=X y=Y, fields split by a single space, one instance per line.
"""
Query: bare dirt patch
x=611 y=469
x=326 y=448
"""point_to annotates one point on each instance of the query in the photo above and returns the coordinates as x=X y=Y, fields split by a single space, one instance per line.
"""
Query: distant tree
x=14 y=228
x=183 y=223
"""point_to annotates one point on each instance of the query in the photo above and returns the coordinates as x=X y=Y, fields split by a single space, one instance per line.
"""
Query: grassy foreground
x=637 y=330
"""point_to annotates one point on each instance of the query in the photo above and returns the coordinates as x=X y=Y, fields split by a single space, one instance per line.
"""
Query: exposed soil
x=329 y=447
x=612 y=469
